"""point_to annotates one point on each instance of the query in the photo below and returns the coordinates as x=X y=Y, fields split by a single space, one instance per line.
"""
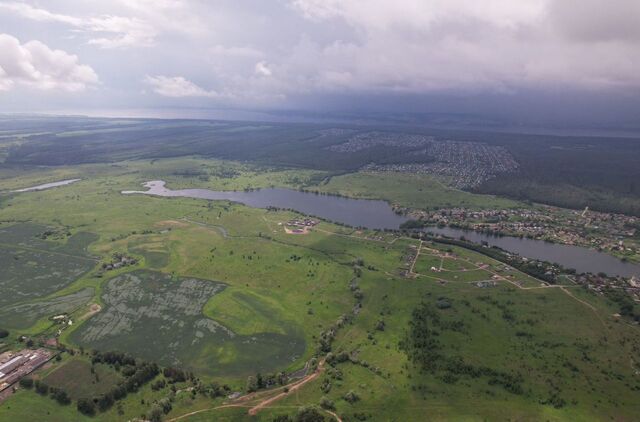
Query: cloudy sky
x=540 y=57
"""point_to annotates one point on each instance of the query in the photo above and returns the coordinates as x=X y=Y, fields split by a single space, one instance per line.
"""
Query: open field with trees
x=81 y=378
x=569 y=171
x=218 y=298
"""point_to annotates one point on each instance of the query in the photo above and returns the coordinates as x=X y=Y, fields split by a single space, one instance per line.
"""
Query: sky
x=533 y=60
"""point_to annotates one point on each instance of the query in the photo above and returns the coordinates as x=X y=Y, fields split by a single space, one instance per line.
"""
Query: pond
x=376 y=214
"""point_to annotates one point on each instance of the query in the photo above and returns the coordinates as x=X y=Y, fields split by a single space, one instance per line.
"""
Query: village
x=616 y=234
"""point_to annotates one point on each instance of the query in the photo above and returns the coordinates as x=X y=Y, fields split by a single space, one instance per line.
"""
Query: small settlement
x=299 y=226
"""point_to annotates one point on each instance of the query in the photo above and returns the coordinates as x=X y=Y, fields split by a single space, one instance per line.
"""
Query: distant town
x=463 y=165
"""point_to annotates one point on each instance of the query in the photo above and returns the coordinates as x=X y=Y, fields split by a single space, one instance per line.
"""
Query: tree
x=252 y=384
x=105 y=402
x=60 y=396
x=309 y=414
x=325 y=403
x=86 y=407
x=41 y=388
x=259 y=380
x=26 y=382
x=156 y=414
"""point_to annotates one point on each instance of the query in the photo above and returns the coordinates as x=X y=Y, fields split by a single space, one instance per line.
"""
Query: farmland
x=24 y=315
x=49 y=266
x=158 y=318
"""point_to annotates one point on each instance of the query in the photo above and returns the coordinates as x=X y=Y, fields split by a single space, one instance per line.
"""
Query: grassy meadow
x=222 y=290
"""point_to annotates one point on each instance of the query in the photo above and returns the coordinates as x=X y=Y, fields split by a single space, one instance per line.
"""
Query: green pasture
x=80 y=378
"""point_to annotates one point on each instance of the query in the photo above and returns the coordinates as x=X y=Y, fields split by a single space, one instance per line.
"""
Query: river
x=376 y=214
x=354 y=212
x=577 y=257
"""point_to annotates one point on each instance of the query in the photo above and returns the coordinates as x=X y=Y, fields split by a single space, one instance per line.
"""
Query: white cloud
x=234 y=51
x=106 y=31
x=125 y=32
x=177 y=16
x=379 y=14
x=177 y=87
x=312 y=50
x=40 y=15
x=35 y=65
x=465 y=45
x=262 y=69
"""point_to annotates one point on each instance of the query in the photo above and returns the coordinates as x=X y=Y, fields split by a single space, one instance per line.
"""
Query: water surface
x=379 y=215
x=48 y=185
x=368 y=213
x=577 y=257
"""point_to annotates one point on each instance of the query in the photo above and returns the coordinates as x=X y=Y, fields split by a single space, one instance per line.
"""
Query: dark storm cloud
x=300 y=53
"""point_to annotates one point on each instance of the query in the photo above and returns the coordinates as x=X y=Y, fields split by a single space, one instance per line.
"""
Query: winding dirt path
x=195 y=412
x=246 y=401
x=333 y=414
x=292 y=387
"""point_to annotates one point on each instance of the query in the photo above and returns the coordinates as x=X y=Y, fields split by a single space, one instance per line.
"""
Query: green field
x=25 y=315
x=159 y=318
x=34 y=268
x=79 y=378
x=222 y=290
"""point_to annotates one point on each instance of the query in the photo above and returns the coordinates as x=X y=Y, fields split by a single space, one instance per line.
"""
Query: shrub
x=351 y=397
x=325 y=403
x=41 y=388
x=86 y=406
x=26 y=382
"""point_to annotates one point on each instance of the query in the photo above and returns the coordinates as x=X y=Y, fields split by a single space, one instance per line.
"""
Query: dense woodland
x=569 y=171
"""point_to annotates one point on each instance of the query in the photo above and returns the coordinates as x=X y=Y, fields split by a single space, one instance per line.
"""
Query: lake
x=376 y=214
